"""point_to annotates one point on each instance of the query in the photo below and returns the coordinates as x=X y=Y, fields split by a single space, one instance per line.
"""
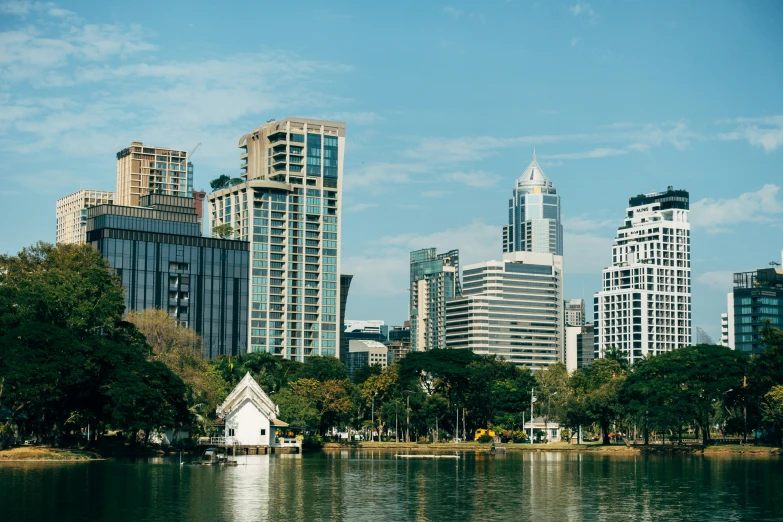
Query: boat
x=215 y=457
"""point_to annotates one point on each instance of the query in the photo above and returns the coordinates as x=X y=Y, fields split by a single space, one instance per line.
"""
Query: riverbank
x=470 y=447
x=43 y=454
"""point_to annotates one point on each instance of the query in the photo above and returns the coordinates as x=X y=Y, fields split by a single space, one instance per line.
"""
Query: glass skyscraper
x=534 y=215
x=288 y=209
x=434 y=280
x=757 y=298
x=158 y=252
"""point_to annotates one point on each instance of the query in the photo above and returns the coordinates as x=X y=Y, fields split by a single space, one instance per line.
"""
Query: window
x=231 y=432
x=263 y=432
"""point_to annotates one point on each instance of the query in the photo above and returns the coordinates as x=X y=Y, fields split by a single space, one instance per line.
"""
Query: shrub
x=484 y=439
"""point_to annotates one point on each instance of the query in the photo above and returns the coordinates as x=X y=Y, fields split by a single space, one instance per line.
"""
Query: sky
x=444 y=104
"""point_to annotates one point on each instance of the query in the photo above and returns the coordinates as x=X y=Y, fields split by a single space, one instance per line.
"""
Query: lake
x=374 y=485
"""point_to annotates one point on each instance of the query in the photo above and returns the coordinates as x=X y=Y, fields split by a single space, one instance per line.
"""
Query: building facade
x=757 y=299
x=724 y=330
x=434 y=281
x=534 y=215
x=364 y=352
x=345 y=286
x=511 y=308
x=644 y=307
x=143 y=169
x=289 y=210
x=163 y=261
x=575 y=312
x=579 y=347
x=71 y=214
x=399 y=341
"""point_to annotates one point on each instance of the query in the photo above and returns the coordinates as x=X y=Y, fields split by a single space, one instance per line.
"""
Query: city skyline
x=430 y=162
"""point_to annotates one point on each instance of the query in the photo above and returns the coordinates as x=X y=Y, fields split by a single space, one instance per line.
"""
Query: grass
x=40 y=453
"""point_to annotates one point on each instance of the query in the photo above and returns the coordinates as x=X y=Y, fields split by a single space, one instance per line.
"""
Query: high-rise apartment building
x=289 y=210
x=724 y=331
x=757 y=299
x=399 y=341
x=534 y=215
x=575 y=312
x=644 y=306
x=72 y=214
x=158 y=252
x=345 y=286
x=511 y=308
x=434 y=280
x=143 y=169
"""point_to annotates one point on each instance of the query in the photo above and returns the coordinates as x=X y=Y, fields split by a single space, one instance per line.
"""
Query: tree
x=600 y=383
x=552 y=392
x=329 y=399
x=365 y=372
x=297 y=410
x=323 y=369
x=180 y=349
x=772 y=410
x=69 y=286
x=224 y=181
x=223 y=231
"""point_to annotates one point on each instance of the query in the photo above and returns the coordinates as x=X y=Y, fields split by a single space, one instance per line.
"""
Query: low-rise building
x=250 y=418
x=579 y=347
x=364 y=352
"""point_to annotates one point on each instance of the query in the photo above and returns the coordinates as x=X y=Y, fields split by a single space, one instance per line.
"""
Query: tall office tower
x=575 y=312
x=342 y=341
x=142 y=170
x=644 y=307
x=289 y=209
x=72 y=213
x=579 y=348
x=434 y=280
x=163 y=261
x=534 y=215
x=757 y=298
x=511 y=308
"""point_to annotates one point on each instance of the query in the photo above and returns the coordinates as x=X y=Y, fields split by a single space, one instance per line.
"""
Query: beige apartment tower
x=143 y=169
x=72 y=213
x=289 y=209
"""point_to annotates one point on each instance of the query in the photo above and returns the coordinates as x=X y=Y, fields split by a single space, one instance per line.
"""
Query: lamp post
x=407 y=393
x=372 y=419
x=532 y=400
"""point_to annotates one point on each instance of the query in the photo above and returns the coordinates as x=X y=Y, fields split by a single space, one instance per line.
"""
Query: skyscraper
x=434 y=280
x=756 y=299
x=534 y=215
x=644 y=307
x=72 y=213
x=142 y=169
x=289 y=209
x=158 y=252
x=575 y=312
x=511 y=308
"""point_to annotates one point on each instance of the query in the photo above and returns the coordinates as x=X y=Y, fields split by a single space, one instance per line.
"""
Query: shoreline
x=473 y=447
x=45 y=454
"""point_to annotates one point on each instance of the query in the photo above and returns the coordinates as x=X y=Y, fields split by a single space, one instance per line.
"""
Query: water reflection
x=374 y=485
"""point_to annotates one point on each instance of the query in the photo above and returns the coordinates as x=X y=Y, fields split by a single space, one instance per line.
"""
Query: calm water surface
x=367 y=485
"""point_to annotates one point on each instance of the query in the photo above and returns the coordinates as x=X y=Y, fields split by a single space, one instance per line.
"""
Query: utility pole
x=532 y=400
x=408 y=419
x=372 y=420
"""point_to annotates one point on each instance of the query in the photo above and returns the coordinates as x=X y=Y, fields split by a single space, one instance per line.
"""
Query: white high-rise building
x=724 y=330
x=72 y=213
x=644 y=307
x=289 y=209
x=511 y=308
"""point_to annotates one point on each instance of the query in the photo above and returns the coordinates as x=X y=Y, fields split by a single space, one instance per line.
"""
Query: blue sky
x=444 y=103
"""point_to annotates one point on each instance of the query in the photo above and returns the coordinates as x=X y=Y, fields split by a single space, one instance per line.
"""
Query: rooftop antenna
x=774 y=263
x=194 y=150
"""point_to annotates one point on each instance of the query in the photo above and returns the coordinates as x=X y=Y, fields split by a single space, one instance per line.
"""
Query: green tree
x=223 y=181
x=365 y=372
x=600 y=383
x=772 y=410
x=69 y=286
x=552 y=392
x=322 y=369
x=223 y=231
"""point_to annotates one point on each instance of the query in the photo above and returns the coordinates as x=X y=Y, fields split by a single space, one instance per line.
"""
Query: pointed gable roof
x=248 y=389
x=533 y=176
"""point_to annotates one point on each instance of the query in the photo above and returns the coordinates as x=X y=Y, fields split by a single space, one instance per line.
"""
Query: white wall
x=247 y=422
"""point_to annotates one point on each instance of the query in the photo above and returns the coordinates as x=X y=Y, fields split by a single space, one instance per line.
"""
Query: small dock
x=232 y=448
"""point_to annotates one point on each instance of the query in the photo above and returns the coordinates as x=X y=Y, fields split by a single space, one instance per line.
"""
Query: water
x=367 y=485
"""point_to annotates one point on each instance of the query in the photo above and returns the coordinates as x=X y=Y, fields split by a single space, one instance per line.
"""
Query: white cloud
x=601 y=152
x=476 y=179
x=718 y=215
x=574 y=41
x=453 y=12
x=583 y=9
x=352 y=118
x=721 y=281
x=434 y=193
x=584 y=223
x=765 y=132
x=586 y=253
x=359 y=207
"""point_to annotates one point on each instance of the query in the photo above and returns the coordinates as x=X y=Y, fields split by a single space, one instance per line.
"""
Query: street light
x=407 y=414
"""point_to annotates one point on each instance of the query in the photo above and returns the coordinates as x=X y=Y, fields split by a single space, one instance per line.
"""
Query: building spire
x=534 y=153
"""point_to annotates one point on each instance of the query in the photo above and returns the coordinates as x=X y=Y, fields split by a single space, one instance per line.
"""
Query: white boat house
x=250 y=418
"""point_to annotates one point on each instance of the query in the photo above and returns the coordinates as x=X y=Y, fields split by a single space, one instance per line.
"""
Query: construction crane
x=194 y=150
